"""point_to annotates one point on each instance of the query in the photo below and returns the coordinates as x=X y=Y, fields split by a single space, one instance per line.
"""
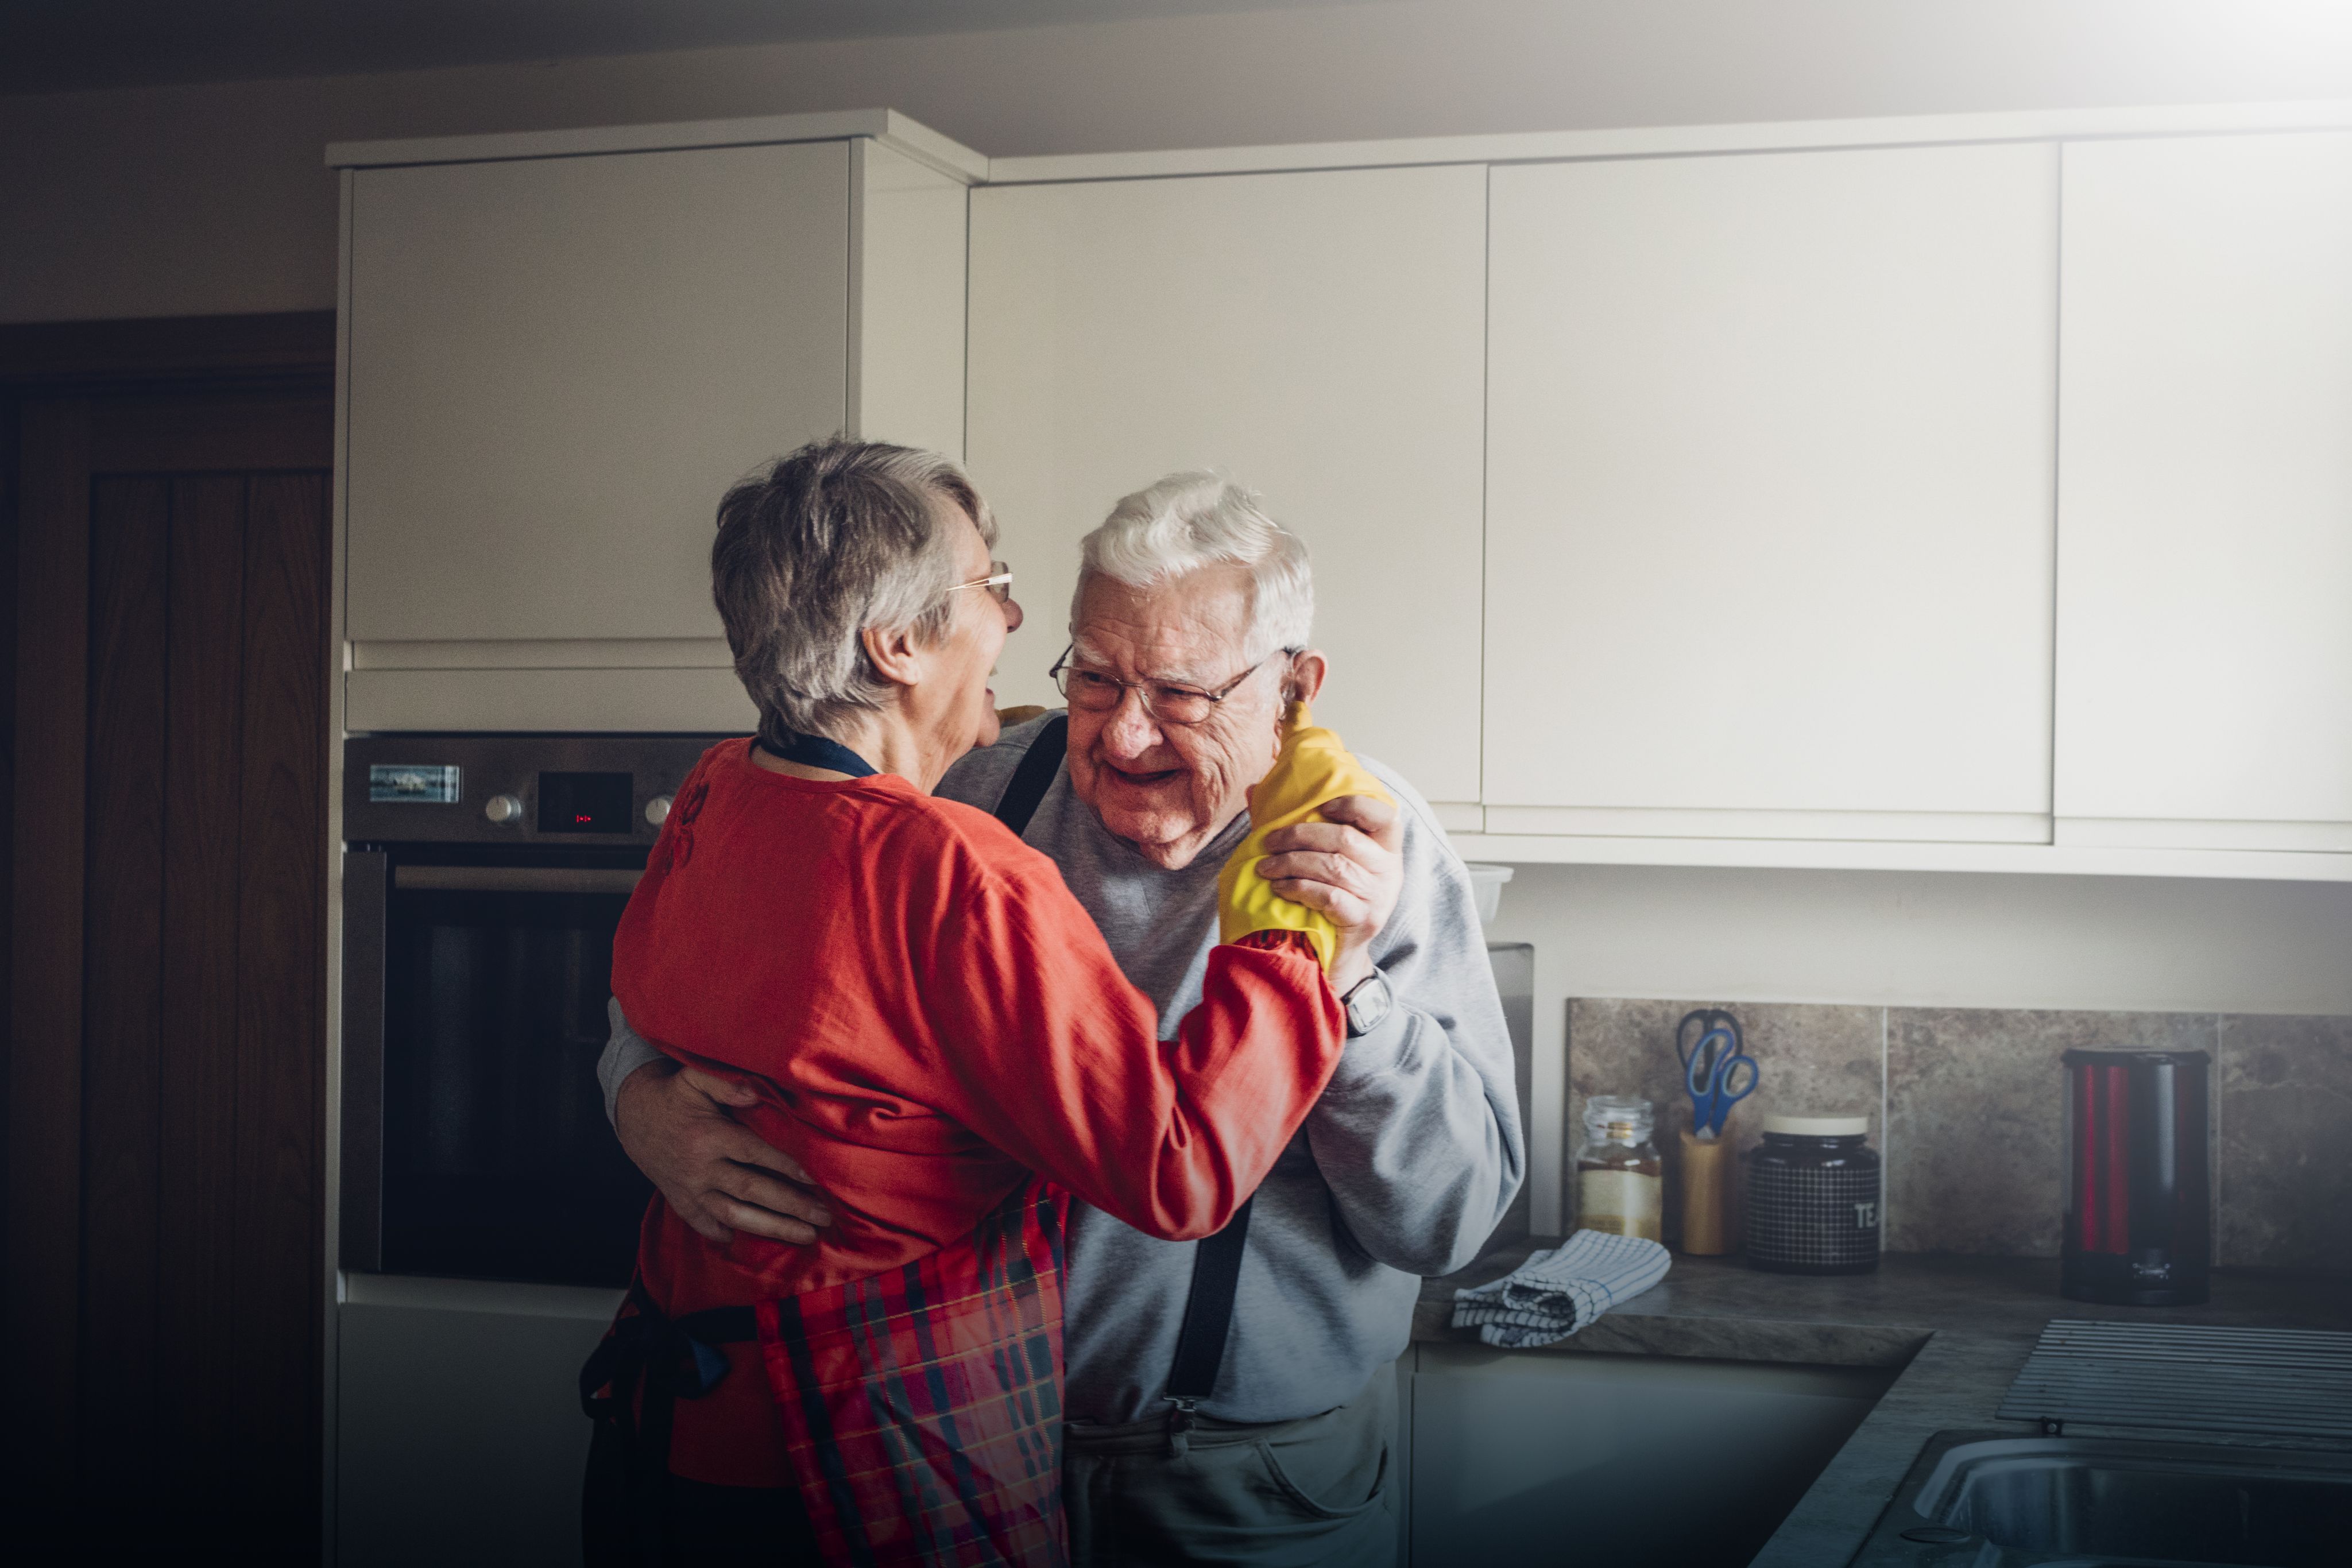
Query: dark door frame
x=57 y=383
x=50 y=358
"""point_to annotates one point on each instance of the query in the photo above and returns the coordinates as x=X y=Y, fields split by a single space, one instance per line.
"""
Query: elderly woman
x=932 y=1025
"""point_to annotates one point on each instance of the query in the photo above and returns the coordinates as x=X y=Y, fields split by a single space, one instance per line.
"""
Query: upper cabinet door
x=2205 y=493
x=1768 y=547
x=558 y=365
x=1313 y=336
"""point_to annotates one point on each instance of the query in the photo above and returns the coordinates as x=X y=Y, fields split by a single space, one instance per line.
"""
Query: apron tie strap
x=673 y=1359
x=679 y=1357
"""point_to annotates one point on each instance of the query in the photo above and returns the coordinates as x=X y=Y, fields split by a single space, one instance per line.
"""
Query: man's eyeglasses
x=999 y=582
x=1091 y=691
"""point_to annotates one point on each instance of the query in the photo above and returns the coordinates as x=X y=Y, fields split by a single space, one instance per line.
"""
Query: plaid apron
x=921 y=1407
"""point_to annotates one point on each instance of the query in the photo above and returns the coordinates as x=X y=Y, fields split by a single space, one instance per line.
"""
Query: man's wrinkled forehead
x=1195 y=630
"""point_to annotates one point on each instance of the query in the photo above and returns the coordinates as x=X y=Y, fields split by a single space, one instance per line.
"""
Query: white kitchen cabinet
x=556 y=364
x=458 y=1435
x=1768 y=507
x=2205 y=493
x=1316 y=337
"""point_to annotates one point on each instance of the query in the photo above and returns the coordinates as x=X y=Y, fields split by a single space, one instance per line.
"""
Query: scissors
x=1716 y=1070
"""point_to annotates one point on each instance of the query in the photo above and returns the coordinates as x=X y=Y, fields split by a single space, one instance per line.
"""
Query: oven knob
x=657 y=809
x=502 y=809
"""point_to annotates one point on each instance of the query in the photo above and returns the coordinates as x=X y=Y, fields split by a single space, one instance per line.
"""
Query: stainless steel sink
x=1990 y=1499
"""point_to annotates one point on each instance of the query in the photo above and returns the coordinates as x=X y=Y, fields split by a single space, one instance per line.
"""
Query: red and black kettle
x=2139 y=1188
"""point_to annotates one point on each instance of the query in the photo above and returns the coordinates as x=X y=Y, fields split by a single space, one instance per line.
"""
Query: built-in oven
x=483 y=877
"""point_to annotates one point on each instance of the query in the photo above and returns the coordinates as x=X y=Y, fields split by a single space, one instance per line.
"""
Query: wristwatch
x=1368 y=1002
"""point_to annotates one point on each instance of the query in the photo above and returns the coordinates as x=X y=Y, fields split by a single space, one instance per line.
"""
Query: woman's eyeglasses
x=999 y=582
x=1091 y=691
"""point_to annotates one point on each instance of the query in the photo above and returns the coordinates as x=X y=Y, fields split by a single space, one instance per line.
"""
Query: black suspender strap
x=1207 y=1314
x=1035 y=774
x=1217 y=1261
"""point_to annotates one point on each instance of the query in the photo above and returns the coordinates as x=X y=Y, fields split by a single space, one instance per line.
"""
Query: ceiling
x=62 y=46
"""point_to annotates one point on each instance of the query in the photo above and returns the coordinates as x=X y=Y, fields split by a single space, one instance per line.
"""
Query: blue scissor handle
x=1701 y=1063
x=1730 y=1025
x=1725 y=1096
x=1711 y=1021
x=1714 y=1066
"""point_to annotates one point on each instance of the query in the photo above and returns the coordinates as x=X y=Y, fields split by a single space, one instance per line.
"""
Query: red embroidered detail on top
x=681 y=847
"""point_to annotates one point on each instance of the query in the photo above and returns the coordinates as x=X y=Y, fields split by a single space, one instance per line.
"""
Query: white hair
x=1188 y=521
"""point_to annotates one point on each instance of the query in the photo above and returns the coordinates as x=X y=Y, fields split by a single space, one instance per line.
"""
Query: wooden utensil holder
x=1707 y=1193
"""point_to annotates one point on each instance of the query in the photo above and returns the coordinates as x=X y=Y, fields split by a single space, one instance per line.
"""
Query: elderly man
x=1272 y=1439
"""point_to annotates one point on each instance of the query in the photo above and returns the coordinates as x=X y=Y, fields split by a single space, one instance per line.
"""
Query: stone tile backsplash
x=2285 y=1118
x=1976 y=1101
x=1966 y=1107
x=1828 y=1059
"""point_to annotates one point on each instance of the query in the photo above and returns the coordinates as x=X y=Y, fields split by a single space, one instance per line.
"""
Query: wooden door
x=166 y=1064
x=1769 y=514
x=1314 y=336
x=2205 y=493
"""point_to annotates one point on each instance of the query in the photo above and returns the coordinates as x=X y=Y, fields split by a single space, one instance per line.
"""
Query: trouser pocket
x=1350 y=1494
x=1315 y=1493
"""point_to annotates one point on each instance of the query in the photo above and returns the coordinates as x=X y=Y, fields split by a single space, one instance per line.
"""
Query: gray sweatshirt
x=1404 y=1167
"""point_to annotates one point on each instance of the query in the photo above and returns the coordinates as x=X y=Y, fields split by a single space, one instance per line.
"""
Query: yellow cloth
x=1312 y=768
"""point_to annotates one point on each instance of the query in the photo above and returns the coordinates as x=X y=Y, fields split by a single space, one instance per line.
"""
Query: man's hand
x=714 y=1172
x=1350 y=866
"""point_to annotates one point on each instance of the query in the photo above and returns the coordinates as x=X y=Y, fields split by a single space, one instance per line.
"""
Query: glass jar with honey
x=1619 y=1177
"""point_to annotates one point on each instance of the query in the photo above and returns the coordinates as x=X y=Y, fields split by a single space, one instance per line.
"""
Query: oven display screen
x=402 y=783
x=585 y=803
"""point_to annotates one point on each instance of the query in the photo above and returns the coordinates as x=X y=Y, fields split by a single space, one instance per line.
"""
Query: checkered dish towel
x=1556 y=1293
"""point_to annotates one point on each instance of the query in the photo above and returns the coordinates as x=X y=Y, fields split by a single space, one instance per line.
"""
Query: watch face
x=1368 y=1004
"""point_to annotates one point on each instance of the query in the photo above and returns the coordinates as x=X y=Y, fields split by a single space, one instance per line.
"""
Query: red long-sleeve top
x=929 y=1017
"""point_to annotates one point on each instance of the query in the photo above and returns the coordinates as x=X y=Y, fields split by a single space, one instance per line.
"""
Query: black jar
x=1813 y=1198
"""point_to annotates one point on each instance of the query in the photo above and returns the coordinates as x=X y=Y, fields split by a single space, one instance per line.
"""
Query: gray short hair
x=820 y=544
x=1188 y=521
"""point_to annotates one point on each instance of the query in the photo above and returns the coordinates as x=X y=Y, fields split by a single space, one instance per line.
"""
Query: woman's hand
x=715 y=1173
x=1350 y=866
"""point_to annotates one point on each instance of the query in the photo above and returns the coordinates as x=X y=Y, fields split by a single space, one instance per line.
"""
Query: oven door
x=476 y=1143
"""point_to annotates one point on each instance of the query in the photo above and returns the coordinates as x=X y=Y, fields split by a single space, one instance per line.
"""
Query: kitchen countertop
x=1958 y=1327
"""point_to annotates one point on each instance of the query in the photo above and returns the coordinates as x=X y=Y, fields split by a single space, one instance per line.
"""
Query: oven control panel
x=486 y=789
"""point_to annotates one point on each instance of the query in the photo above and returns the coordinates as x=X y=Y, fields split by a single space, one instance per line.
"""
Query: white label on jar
x=1623 y=1203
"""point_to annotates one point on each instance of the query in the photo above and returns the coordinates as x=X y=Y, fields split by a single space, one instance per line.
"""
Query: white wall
x=1911 y=940
x=200 y=200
